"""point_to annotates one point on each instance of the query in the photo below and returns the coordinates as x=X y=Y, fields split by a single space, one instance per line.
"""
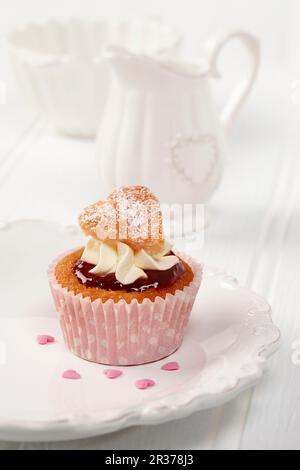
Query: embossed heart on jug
x=194 y=157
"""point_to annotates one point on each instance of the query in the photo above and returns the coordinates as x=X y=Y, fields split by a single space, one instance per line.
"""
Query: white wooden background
x=255 y=228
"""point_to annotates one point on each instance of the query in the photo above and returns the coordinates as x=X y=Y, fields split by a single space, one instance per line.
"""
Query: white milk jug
x=161 y=127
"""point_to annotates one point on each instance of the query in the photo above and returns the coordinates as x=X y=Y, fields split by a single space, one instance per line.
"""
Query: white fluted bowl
x=60 y=67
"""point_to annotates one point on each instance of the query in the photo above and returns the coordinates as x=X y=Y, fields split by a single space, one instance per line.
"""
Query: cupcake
x=124 y=298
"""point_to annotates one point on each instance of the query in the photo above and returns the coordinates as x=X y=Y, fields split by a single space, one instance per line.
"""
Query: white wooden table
x=255 y=228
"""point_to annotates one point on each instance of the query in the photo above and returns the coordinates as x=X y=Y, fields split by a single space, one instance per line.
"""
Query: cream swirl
x=121 y=260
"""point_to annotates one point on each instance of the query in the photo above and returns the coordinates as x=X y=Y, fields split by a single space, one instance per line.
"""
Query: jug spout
x=129 y=68
x=116 y=54
x=159 y=73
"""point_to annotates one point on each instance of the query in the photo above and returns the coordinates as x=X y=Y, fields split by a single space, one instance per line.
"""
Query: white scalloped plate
x=225 y=351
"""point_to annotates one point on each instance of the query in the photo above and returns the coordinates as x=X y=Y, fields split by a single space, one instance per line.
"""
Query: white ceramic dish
x=60 y=65
x=225 y=351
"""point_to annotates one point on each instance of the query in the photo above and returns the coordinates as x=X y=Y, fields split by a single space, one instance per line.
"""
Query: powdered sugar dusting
x=131 y=213
x=138 y=213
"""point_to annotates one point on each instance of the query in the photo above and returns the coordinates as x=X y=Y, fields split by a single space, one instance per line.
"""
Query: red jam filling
x=155 y=279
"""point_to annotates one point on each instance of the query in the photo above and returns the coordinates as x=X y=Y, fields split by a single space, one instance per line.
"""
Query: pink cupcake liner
x=124 y=334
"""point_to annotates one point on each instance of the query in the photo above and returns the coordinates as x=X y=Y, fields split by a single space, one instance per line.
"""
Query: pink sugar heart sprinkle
x=112 y=374
x=50 y=339
x=171 y=366
x=144 y=383
x=45 y=339
x=71 y=374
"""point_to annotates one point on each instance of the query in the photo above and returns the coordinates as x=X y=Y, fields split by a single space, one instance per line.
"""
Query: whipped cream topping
x=121 y=260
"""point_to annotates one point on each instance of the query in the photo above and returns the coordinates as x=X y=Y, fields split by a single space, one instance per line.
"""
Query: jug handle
x=244 y=87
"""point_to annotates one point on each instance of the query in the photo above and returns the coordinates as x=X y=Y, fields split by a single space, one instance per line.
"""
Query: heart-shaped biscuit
x=131 y=215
